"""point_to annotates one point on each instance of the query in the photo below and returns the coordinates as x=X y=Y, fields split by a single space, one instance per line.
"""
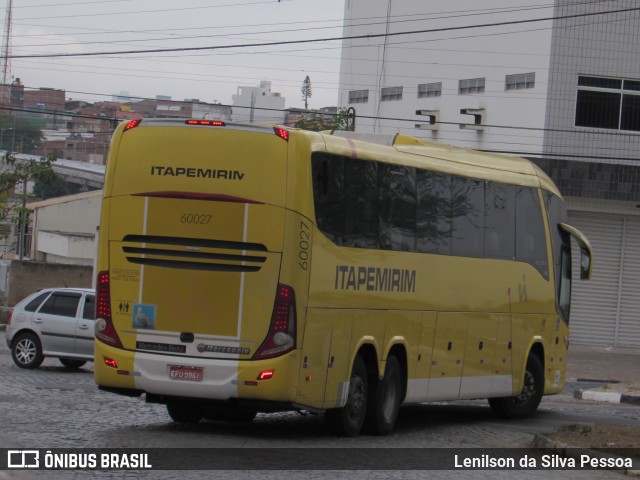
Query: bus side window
x=433 y=229
x=467 y=217
x=328 y=193
x=531 y=244
x=500 y=210
x=397 y=208
x=361 y=203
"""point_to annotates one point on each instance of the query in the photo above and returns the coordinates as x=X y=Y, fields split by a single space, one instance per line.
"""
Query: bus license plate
x=193 y=374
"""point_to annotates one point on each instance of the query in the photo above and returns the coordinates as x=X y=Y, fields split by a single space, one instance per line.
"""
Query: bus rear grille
x=190 y=256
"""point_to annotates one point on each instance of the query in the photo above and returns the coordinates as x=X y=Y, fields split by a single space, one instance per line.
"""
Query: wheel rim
x=26 y=351
x=390 y=396
x=528 y=390
x=357 y=398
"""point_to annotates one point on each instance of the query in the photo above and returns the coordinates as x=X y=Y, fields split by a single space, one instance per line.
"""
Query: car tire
x=72 y=364
x=26 y=351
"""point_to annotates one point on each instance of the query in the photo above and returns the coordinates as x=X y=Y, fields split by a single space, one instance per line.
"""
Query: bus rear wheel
x=184 y=412
x=348 y=420
x=527 y=402
x=385 y=398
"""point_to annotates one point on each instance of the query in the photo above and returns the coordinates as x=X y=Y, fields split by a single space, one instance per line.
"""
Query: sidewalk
x=618 y=369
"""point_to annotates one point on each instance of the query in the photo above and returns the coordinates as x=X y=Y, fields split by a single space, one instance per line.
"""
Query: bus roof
x=439 y=156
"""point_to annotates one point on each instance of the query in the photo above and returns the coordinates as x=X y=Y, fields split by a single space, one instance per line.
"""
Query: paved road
x=52 y=407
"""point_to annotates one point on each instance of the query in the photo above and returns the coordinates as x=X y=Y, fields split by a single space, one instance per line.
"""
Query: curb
x=606 y=397
x=540 y=441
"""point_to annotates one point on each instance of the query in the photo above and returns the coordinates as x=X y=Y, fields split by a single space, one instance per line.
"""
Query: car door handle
x=84 y=327
x=37 y=320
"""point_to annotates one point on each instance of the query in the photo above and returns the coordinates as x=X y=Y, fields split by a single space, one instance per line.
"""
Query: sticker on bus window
x=144 y=316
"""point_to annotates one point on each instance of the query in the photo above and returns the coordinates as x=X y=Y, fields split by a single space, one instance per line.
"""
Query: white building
x=556 y=82
x=258 y=104
x=64 y=228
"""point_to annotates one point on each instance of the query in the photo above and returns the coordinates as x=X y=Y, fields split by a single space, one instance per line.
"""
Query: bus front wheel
x=527 y=402
x=184 y=412
x=348 y=420
x=385 y=399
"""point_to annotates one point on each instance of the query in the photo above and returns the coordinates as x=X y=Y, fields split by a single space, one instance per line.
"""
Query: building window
x=391 y=93
x=611 y=103
x=520 y=81
x=471 y=85
x=430 y=89
x=358 y=96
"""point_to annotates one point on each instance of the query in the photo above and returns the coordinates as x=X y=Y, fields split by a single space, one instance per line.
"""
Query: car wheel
x=73 y=364
x=27 y=351
x=348 y=420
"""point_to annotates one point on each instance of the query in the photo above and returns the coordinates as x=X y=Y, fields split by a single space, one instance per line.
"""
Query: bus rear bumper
x=206 y=378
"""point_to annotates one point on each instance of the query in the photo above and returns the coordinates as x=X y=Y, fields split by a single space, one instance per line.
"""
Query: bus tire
x=385 y=397
x=348 y=420
x=527 y=402
x=184 y=412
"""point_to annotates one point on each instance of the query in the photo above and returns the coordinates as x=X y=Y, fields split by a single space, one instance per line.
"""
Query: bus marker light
x=266 y=375
x=206 y=123
x=283 y=133
x=308 y=378
x=132 y=124
x=110 y=362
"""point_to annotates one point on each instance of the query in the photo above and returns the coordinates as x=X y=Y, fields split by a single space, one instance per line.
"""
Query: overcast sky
x=89 y=26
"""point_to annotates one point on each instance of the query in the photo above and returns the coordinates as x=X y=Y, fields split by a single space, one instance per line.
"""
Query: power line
x=328 y=39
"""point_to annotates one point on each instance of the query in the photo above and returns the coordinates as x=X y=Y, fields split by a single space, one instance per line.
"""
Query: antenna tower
x=6 y=44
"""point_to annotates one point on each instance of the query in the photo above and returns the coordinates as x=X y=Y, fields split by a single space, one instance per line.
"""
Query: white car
x=53 y=322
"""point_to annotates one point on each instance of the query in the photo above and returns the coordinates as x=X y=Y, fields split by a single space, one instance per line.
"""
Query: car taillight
x=282 y=330
x=9 y=317
x=105 y=331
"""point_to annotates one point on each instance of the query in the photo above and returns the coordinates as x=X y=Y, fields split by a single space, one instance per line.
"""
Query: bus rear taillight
x=282 y=331
x=105 y=331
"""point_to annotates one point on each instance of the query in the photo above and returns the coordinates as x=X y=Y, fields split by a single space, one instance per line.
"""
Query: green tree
x=317 y=121
x=14 y=172
x=306 y=91
x=18 y=134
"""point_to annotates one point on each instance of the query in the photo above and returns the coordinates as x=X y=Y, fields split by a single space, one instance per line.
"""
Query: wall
x=448 y=51
x=25 y=277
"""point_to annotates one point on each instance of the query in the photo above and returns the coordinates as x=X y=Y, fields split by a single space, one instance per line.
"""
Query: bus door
x=448 y=356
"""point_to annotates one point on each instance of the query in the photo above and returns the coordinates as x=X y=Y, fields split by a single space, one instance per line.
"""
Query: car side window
x=33 y=305
x=89 y=311
x=65 y=304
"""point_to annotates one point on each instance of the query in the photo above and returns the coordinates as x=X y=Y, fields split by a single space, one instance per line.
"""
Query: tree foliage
x=317 y=122
x=14 y=172
x=306 y=91
x=18 y=134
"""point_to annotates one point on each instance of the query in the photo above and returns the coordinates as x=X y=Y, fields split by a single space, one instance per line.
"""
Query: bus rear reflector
x=283 y=133
x=132 y=124
x=206 y=123
x=104 y=329
x=282 y=330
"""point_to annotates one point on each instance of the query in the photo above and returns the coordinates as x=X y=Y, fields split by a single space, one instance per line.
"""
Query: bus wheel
x=184 y=412
x=386 y=394
x=527 y=402
x=348 y=420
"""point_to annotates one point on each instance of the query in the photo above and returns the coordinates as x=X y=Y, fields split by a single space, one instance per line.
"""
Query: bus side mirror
x=585 y=264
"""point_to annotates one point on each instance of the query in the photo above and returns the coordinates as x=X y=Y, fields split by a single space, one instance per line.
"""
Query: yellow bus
x=248 y=268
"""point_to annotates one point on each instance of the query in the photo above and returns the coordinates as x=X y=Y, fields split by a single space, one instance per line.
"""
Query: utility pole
x=6 y=45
